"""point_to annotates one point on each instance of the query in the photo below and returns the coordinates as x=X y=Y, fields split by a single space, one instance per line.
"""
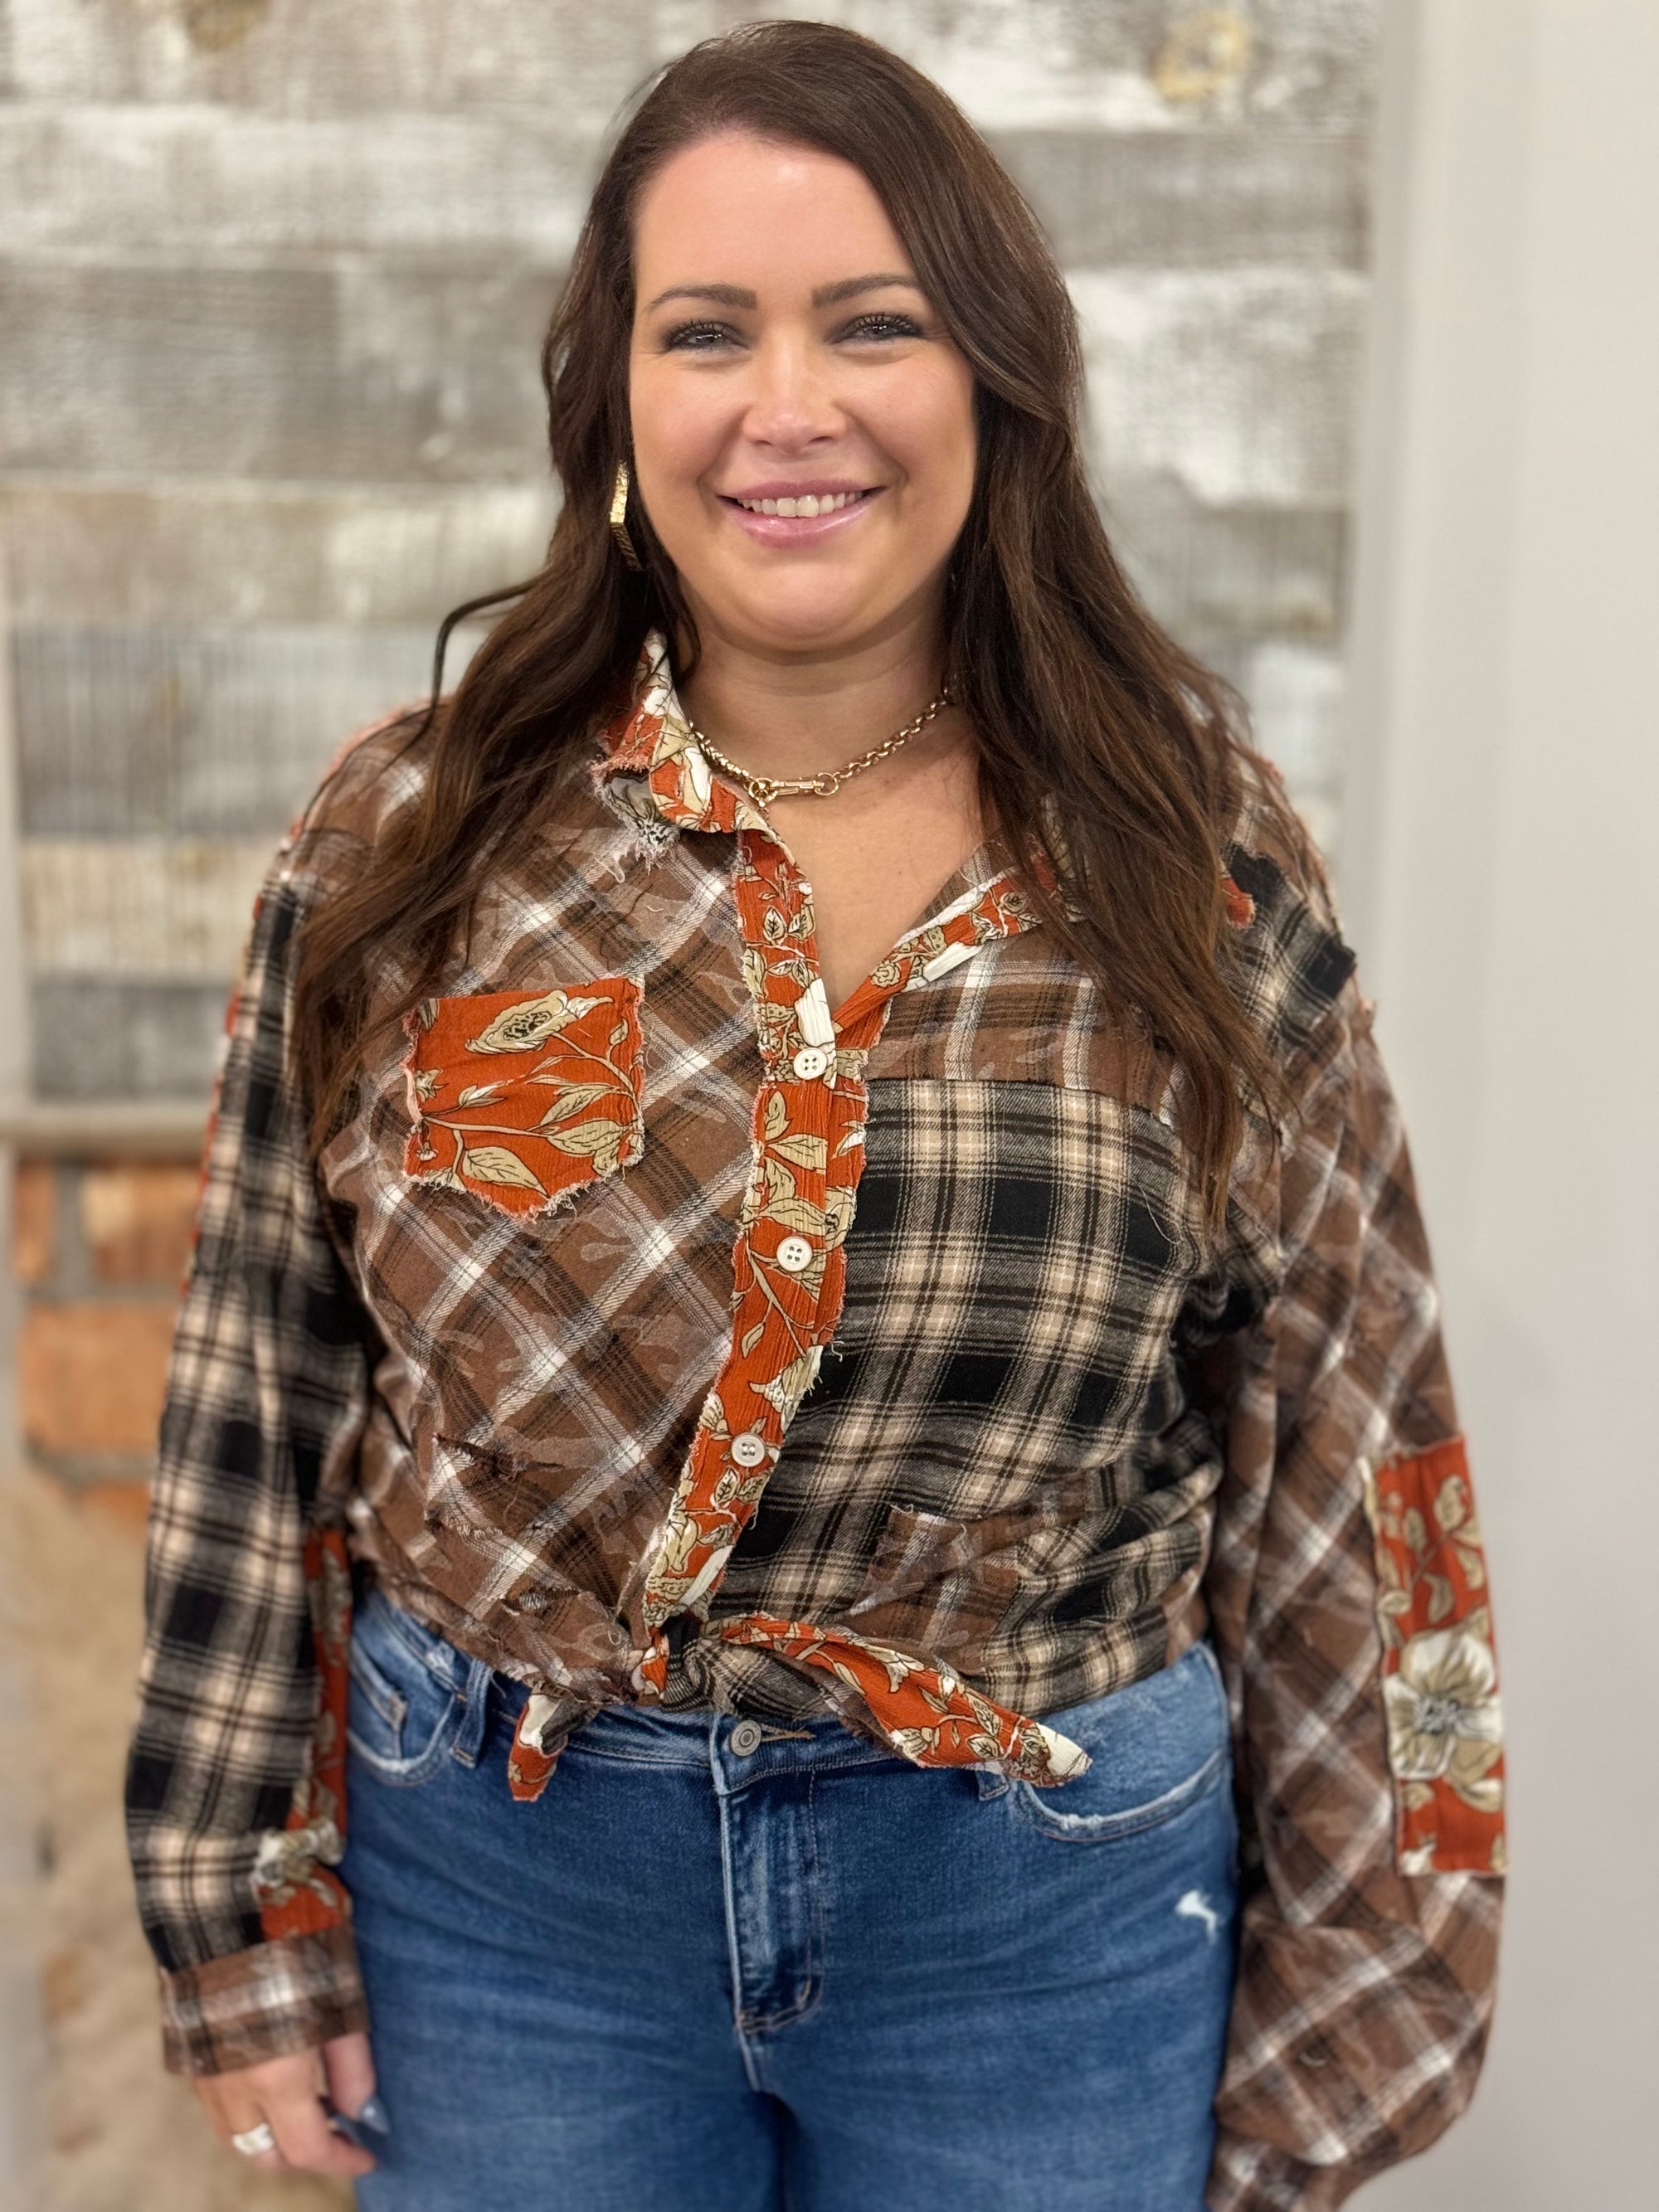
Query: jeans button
x=745 y=1738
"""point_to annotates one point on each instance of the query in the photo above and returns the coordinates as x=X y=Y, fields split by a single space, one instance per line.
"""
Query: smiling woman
x=804 y=445
x=799 y=410
x=809 y=1384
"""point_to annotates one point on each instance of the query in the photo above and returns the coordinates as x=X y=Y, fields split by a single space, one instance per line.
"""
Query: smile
x=783 y=520
x=808 y=503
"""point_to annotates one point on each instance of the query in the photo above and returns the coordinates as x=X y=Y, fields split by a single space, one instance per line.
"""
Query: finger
x=348 y=2065
x=236 y=2112
x=242 y=2089
x=309 y=2144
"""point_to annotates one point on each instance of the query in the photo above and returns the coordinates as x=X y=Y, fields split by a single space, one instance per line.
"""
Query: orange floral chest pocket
x=523 y=1098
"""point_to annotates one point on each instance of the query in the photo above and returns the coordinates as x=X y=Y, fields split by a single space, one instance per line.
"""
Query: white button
x=745 y=1738
x=794 y=1254
x=749 y=1450
x=810 y=1061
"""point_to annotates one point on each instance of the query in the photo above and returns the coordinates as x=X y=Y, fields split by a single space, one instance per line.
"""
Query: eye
x=881 y=325
x=698 y=338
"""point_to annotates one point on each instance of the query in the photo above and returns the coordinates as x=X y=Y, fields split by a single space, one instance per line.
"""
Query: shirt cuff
x=292 y=1993
x=1258 y=2176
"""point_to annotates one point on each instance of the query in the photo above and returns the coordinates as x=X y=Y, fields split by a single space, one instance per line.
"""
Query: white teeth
x=808 y=504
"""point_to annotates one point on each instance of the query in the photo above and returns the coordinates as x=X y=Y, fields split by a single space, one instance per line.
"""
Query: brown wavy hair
x=1074 y=693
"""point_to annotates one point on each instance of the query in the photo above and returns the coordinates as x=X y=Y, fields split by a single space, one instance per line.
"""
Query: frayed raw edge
x=558 y=1200
x=414 y=1031
x=628 y=798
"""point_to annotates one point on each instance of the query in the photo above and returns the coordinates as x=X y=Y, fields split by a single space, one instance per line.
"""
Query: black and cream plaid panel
x=267 y=1393
x=997 y=1460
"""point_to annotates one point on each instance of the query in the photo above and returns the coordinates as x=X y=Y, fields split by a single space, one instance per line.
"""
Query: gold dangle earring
x=619 y=517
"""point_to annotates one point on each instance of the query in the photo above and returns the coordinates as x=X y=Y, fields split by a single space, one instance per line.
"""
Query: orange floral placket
x=789 y=1274
x=1439 y=1672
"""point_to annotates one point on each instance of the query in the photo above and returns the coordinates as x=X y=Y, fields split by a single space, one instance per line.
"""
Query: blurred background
x=1371 y=300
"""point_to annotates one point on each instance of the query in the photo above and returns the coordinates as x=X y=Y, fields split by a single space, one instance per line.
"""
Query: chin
x=803 y=622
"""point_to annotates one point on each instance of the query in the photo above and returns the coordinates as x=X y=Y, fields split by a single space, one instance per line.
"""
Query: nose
x=791 y=404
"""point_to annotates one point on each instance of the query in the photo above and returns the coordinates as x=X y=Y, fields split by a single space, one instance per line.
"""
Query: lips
x=807 y=503
x=778 y=515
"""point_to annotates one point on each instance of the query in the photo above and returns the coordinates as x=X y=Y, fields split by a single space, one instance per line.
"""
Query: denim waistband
x=644 y=1735
x=736 y=1750
x=739 y=1748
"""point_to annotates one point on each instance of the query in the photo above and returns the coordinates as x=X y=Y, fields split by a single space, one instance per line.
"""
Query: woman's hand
x=287 y=2093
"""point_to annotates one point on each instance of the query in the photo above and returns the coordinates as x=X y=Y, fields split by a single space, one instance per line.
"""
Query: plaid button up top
x=654 y=1334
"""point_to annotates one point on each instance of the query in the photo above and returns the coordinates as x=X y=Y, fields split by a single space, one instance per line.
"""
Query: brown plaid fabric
x=219 y=2014
x=1057 y=1432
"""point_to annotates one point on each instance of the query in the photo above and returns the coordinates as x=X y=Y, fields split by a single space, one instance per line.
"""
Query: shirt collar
x=653 y=739
x=651 y=743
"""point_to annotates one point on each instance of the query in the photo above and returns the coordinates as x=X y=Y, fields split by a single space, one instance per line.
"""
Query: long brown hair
x=1085 y=713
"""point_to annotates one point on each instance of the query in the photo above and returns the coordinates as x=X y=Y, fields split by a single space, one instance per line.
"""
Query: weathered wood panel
x=120 y=1038
x=202 y=733
x=1025 y=63
x=1237 y=382
x=219 y=550
x=1295 y=697
x=108 y=177
x=358 y=370
x=162 y=908
x=1194 y=199
x=1229 y=571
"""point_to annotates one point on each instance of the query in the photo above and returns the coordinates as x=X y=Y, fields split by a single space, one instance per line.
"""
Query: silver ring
x=253 y=2142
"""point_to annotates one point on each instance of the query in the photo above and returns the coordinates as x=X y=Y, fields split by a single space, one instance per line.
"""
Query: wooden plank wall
x=272 y=278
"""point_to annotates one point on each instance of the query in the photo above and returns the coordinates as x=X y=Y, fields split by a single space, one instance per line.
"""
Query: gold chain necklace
x=763 y=789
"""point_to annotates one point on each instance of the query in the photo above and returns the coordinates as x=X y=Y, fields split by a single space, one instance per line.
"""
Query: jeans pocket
x=1158 y=1748
x=409 y=1693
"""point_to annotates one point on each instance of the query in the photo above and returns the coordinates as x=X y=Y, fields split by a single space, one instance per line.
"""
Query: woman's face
x=784 y=353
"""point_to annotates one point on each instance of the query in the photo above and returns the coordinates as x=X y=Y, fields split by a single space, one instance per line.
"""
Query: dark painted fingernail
x=372 y=2113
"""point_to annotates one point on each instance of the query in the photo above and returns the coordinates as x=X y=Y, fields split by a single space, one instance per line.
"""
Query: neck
x=798 y=713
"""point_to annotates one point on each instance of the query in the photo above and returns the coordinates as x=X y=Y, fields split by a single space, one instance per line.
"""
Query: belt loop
x=474 y=1694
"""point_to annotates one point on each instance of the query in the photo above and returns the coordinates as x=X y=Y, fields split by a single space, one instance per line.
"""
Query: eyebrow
x=827 y=295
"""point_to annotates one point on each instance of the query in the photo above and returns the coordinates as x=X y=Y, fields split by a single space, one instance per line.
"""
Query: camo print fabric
x=654 y=1333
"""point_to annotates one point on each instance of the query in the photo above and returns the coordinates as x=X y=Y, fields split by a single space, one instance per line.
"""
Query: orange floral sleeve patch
x=1439 y=1670
x=524 y=1097
x=296 y=1893
x=1239 y=905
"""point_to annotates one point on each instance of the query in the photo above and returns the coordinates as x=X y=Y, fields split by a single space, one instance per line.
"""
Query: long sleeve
x=234 y=1806
x=1349 y=1596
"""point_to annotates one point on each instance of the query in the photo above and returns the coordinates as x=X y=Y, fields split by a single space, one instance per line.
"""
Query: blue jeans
x=728 y=1966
